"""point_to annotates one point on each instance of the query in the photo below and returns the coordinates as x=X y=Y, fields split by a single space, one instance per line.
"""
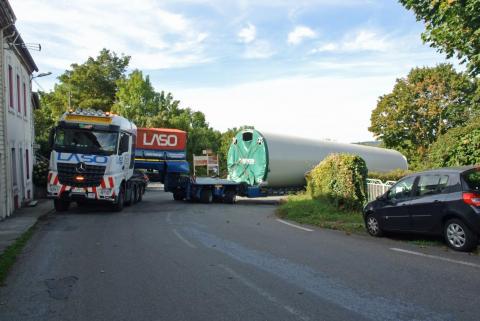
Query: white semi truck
x=92 y=160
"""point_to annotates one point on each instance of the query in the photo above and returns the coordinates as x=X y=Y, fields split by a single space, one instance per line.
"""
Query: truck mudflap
x=104 y=191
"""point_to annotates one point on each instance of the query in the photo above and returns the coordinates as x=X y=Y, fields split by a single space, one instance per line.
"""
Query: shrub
x=341 y=180
x=394 y=175
x=458 y=147
x=40 y=173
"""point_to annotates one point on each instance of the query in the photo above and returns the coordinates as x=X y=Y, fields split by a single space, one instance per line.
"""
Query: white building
x=16 y=116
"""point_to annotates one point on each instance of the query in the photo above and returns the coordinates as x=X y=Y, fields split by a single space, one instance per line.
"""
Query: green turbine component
x=247 y=159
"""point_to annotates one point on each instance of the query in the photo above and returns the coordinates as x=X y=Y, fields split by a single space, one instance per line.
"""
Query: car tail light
x=471 y=199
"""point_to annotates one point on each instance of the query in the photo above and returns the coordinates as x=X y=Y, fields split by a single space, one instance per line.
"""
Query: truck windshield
x=86 y=141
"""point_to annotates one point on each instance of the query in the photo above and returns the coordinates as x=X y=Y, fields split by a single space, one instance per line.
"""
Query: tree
x=452 y=26
x=459 y=146
x=137 y=100
x=422 y=106
x=92 y=84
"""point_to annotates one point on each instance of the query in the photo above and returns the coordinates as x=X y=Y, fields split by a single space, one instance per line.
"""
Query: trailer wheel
x=135 y=194
x=61 y=205
x=178 y=195
x=230 y=197
x=206 y=196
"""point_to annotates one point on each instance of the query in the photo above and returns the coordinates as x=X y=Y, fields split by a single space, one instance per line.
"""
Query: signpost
x=208 y=161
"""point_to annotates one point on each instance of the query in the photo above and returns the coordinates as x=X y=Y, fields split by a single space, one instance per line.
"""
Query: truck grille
x=92 y=175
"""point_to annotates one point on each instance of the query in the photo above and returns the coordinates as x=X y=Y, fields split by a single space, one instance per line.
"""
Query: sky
x=308 y=68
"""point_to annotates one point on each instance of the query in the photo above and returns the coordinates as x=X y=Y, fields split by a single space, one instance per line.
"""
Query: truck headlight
x=105 y=191
x=53 y=189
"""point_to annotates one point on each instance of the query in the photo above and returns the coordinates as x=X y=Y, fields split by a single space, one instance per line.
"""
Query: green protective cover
x=247 y=160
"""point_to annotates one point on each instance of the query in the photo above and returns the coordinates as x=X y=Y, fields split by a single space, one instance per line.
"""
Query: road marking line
x=293 y=225
x=184 y=240
x=436 y=257
x=168 y=217
x=264 y=293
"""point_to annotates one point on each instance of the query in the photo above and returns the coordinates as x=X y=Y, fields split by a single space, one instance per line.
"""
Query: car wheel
x=459 y=237
x=372 y=225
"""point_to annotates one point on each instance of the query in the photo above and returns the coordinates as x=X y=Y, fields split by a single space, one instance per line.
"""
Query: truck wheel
x=129 y=201
x=135 y=194
x=178 y=195
x=141 y=190
x=118 y=206
x=61 y=205
x=229 y=197
x=206 y=196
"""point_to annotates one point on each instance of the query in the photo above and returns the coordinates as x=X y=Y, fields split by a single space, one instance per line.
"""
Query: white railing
x=376 y=187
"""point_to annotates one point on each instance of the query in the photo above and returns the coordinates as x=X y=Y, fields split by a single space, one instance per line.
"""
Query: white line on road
x=264 y=293
x=436 y=257
x=293 y=225
x=184 y=240
x=168 y=218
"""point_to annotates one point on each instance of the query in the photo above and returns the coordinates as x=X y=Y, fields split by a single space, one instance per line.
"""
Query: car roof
x=448 y=170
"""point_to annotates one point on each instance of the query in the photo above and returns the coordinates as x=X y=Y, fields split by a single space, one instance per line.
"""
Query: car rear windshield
x=472 y=180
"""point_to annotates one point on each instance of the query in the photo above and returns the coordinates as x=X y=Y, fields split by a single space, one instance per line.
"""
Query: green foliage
x=100 y=83
x=421 y=107
x=305 y=210
x=40 y=173
x=43 y=122
x=452 y=26
x=137 y=100
x=92 y=84
x=341 y=179
x=394 y=175
x=459 y=146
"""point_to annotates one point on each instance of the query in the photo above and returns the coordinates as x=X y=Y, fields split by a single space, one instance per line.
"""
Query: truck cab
x=92 y=160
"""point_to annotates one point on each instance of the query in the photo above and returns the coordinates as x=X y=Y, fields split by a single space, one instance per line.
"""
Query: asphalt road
x=166 y=260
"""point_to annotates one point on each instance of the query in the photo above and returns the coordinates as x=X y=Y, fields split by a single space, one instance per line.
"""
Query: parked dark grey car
x=444 y=202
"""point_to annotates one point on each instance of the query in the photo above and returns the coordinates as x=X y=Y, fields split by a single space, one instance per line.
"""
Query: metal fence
x=376 y=187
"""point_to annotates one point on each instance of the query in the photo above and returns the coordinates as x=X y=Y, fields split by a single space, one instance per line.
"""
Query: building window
x=27 y=162
x=24 y=100
x=19 y=106
x=14 y=167
x=10 y=86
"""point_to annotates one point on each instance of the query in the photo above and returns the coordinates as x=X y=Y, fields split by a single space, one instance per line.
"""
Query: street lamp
x=43 y=74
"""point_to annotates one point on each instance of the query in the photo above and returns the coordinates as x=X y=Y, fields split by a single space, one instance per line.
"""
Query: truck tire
x=135 y=194
x=206 y=196
x=178 y=195
x=118 y=206
x=229 y=197
x=130 y=199
x=61 y=205
x=141 y=190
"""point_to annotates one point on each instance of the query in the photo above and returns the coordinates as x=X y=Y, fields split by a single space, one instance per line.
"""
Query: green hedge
x=341 y=179
x=394 y=175
x=457 y=147
x=40 y=173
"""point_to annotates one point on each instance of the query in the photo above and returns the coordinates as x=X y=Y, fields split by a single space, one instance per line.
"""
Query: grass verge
x=303 y=209
x=9 y=256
